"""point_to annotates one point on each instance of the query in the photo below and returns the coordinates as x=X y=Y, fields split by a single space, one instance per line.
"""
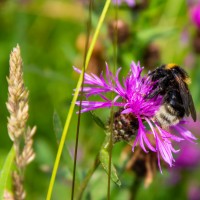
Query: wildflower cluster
x=129 y=2
x=130 y=98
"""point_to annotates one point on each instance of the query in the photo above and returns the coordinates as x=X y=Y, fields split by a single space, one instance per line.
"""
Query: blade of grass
x=6 y=171
x=71 y=109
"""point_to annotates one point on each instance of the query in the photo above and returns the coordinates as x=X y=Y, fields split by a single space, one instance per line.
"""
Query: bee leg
x=154 y=93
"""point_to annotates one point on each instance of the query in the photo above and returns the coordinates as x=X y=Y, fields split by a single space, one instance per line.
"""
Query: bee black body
x=171 y=82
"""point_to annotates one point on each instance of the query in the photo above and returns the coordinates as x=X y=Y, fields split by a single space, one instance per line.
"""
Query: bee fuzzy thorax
x=170 y=66
x=185 y=77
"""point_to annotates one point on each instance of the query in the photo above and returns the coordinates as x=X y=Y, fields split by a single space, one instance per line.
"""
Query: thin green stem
x=71 y=109
x=110 y=160
x=111 y=114
x=79 y=112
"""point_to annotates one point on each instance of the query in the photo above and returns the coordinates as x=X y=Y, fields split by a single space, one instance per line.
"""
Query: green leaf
x=6 y=171
x=57 y=126
x=98 y=121
x=149 y=35
x=104 y=159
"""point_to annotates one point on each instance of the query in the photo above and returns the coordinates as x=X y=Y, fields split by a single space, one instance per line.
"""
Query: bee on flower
x=135 y=115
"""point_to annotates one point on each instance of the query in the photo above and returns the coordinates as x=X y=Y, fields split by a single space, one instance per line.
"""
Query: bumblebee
x=171 y=82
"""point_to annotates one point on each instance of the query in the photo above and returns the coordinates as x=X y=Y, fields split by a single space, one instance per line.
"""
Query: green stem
x=112 y=111
x=87 y=178
x=109 y=164
x=71 y=109
x=89 y=22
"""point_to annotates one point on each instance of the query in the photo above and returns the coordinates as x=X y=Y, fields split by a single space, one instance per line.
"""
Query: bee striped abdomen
x=166 y=116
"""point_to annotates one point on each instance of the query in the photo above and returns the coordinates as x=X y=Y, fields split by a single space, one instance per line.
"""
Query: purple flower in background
x=130 y=98
x=189 y=156
x=195 y=14
x=131 y=3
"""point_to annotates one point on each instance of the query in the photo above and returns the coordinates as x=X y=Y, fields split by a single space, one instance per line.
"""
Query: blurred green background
x=51 y=35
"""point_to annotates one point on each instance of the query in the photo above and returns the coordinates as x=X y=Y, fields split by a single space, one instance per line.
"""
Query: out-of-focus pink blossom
x=130 y=3
x=194 y=192
x=195 y=14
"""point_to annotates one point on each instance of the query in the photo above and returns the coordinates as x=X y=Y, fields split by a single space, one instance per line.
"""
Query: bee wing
x=186 y=98
x=192 y=108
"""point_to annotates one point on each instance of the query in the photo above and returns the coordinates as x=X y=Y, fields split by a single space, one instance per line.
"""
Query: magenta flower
x=130 y=3
x=130 y=98
x=195 y=14
x=189 y=155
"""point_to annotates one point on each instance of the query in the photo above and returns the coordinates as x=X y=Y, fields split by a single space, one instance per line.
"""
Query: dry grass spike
x=21 y=136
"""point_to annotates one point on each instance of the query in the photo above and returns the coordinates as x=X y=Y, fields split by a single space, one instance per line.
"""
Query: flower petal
x=185 y=133
x=141 y=137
